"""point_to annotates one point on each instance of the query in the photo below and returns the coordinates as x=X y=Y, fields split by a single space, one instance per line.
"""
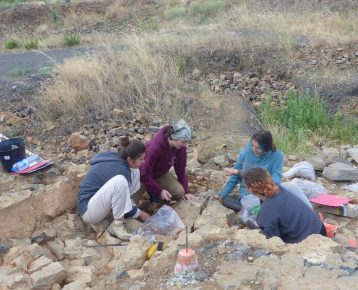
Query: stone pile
x=250 y=86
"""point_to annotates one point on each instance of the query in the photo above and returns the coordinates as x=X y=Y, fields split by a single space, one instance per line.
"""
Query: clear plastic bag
x=164 y=222
x=247 y=213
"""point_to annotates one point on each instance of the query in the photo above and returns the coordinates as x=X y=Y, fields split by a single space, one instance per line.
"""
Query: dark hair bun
x=124 y=141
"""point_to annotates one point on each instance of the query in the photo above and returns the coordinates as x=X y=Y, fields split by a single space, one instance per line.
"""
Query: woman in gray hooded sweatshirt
x=108 y=185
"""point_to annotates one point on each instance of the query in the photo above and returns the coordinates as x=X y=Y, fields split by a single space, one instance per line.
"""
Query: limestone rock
x=188 y=211
x=18 y=281
x=57 y=247
x=213 y=214
x=56 y=198
x=317 y=162
x=340 y=172
x=49 y=275
x=330 y=154
x=17 y=218
x=77 y=285
x=83 y=274
x=193 y=166
x=217 y=179
x=78 y=141
x=221 y=160
x=254 y=238
x=38 y=264
x=227 y=276
x=353 y=152
x=73 y=249
x=133 y=256
x=96 y=257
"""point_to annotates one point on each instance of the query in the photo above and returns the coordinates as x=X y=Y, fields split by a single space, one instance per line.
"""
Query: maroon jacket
x=159 y=158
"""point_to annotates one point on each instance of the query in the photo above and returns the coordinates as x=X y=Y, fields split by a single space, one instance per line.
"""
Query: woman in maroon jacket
x=167 y=149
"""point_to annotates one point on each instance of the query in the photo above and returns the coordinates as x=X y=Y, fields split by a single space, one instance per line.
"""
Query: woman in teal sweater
x=259 y=152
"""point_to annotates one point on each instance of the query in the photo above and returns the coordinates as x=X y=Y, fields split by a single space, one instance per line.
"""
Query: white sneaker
x=118 y=229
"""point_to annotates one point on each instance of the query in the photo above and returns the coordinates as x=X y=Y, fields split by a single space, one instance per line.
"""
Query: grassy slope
x=159 y=34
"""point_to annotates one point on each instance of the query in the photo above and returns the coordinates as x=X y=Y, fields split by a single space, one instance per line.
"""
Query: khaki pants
x=169 y=182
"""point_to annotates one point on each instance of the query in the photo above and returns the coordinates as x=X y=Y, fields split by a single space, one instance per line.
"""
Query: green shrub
x=31 y=44
x=208 y=8
x=304 y=119
x=175 y=12
x=5 y=4
x=72 y=39
x=55 y=16
x=181 y=64
x=19 y=72
x=45 y=70
x=12 y=43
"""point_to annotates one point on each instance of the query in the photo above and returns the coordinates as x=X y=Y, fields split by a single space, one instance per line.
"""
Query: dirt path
x=234 y=126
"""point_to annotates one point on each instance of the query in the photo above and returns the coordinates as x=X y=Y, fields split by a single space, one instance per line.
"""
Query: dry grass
x=332 y=26
x=81 y=19
x=136 y=81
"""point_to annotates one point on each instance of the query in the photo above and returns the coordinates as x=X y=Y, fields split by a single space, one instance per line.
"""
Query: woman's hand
x=165 y=195
x=188 y=196
x=231 y=171
x=143 y=216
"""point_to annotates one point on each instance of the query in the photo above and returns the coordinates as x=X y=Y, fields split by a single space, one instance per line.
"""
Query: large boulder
x=56 y=198
x=340 y=172
x=49 y=275
x=353 y=152
x=17 y=217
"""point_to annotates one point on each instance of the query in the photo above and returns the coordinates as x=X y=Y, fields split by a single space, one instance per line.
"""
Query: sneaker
x=118 y=229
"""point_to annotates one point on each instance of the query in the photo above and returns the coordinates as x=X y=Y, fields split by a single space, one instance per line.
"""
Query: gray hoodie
x=104 y=166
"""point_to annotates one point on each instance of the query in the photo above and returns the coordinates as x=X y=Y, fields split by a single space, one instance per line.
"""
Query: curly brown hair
x=259 y=181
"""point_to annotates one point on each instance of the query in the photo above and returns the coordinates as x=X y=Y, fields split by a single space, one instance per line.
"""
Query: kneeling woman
x=282 y=214
x=108 y=185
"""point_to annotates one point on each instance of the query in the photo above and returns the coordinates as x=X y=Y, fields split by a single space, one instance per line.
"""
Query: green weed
x=19 y=72
x=304 y=119
x=197 y=11
x=55 y=17
x=5 y=4
x=31 y=44
x=12 y=43
x=175 y=12
x=181 y=64
x=46 y=70
x=208 y=8
x=72 y=39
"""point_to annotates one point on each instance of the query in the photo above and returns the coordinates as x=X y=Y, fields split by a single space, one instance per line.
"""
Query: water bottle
x=25 y=163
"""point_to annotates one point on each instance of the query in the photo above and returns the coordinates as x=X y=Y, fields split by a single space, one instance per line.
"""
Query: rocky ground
x=44 y=244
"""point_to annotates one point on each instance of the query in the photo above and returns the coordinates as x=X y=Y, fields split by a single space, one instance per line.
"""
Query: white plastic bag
x=297 y=191
x=302 y=169
x=310 y=188
x=351 y=187
x=248 y=202
x=164 y=222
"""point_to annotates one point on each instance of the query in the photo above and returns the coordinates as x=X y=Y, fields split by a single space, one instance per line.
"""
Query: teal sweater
x=272 y=161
